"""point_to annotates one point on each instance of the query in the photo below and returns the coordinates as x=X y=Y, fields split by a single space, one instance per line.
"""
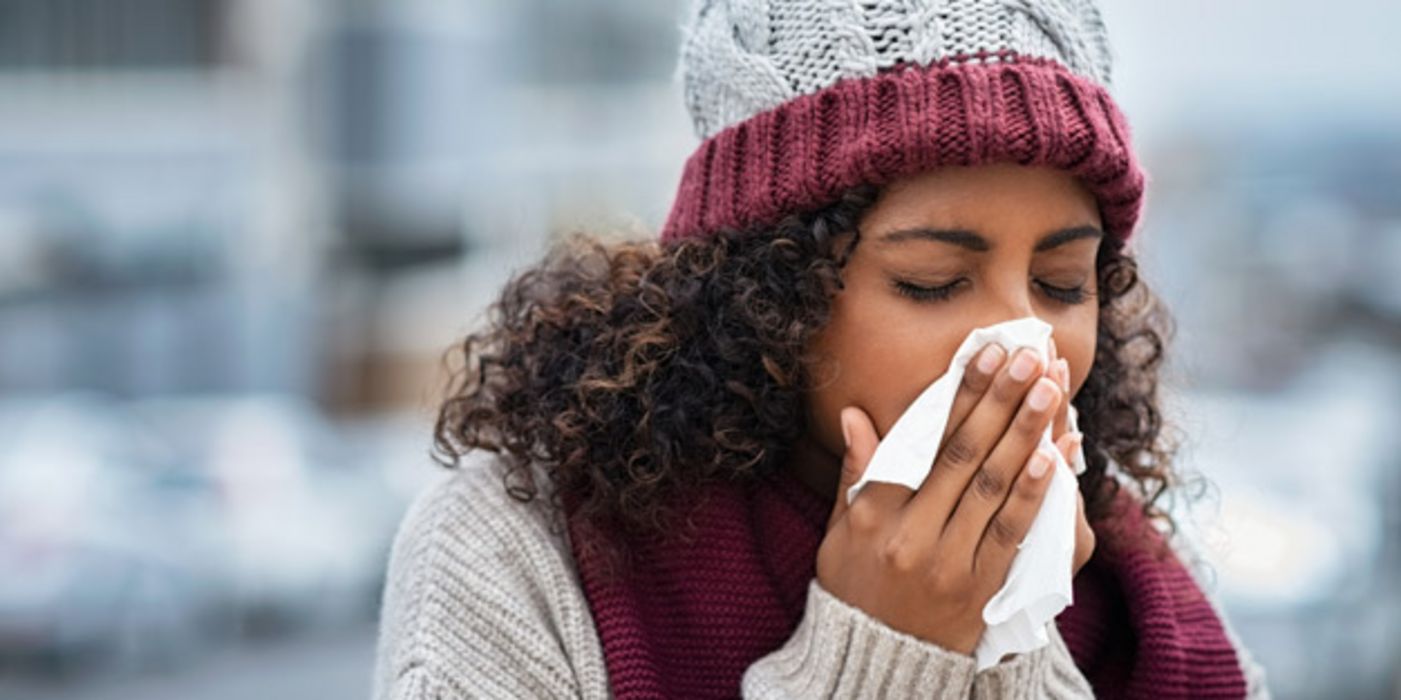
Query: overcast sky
x=1258 y=60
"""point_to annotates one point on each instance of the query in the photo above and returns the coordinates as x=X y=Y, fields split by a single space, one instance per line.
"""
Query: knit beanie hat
x=796 y=101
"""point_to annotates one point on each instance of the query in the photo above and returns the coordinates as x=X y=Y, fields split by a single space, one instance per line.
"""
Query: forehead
x=995 y=200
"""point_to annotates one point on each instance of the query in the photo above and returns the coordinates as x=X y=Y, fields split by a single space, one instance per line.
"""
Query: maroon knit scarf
x=688 y=619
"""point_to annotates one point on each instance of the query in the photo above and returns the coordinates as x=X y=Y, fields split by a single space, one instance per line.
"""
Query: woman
x=650 y=438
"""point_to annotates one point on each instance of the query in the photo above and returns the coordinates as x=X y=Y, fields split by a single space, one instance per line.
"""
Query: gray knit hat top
x=797 y=100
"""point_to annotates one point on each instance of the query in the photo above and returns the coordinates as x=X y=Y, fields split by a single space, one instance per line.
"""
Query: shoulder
x=481 y=595
x=468 y=511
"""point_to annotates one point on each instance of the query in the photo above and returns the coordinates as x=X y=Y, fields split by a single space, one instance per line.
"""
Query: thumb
x=860 y=437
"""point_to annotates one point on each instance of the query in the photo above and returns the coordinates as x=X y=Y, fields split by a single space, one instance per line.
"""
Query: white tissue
x=1038 y=585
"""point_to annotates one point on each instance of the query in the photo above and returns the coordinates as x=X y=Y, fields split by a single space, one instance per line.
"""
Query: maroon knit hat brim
x=804 y=153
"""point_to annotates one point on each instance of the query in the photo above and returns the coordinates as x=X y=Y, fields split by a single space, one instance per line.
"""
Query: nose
x=1007 y=300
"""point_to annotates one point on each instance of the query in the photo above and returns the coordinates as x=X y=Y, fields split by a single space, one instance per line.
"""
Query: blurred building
x=312 y=197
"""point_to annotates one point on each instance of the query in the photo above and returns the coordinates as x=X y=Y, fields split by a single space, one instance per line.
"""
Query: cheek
x=877 y=353
x=1075 y=341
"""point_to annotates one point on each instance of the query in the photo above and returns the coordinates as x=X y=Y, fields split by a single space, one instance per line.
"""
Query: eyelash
x=1072 y=295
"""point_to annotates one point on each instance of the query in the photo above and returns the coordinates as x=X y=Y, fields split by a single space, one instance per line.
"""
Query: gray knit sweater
x=482 y=600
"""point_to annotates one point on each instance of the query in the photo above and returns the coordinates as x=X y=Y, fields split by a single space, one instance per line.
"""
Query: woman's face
x=1003 y=239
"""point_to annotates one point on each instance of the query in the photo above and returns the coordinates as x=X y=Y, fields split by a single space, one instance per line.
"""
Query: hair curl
x=632 y=371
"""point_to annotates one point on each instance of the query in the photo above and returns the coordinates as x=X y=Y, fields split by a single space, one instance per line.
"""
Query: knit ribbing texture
x=959 y=111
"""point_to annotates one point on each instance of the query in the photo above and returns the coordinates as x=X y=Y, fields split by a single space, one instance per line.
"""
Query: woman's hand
x=926 y=562
x=1069 y=444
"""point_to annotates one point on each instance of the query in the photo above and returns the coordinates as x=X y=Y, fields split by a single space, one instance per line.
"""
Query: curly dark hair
x=631 y=371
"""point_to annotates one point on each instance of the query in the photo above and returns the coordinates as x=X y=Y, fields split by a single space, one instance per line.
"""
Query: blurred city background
x=236 y=237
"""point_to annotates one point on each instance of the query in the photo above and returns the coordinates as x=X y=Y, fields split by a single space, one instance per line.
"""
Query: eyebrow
x=976 y=243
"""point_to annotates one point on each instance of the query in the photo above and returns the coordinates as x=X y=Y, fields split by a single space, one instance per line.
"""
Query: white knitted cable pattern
x=742 y=57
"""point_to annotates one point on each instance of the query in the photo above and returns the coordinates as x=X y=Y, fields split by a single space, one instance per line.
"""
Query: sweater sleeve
x=838 y=650
x=476 y=604
x=1048 y=672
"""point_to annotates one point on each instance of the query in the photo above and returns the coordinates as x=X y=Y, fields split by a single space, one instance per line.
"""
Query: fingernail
x=846 y=432
x=1039 y=464
x=1053 y=347
x=990 y=359
x=1064 y=374
x=1023 y=365
x=1074 y=442
x=1041 y=396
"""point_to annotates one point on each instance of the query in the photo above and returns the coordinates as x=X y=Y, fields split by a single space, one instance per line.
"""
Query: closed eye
x=1064 y=295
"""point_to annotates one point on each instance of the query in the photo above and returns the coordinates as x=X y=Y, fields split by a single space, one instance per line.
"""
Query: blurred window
x=106 y=34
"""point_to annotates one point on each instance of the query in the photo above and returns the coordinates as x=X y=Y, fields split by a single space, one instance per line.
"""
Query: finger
x=992 y=482
x=976 y=379
x=1060 y=371
x=1009 y=525
x=861 y=439
x=962 y=453
x=1069 y=443
x=1063 y=415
